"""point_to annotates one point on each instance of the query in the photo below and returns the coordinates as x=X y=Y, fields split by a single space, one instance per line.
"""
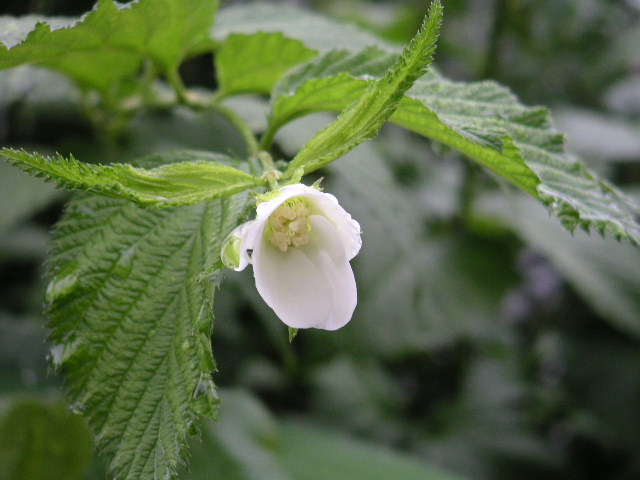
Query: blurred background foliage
x=488 y=343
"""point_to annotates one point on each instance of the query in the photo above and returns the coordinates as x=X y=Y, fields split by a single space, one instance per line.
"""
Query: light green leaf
x=329 y=83
x=332 y=81
x=131 y=318
x=487 y=123
x=254 y=63
x=199 y=177
x=110 y=43
x=363 y=118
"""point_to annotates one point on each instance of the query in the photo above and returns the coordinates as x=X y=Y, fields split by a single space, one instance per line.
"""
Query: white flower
x=300 y=244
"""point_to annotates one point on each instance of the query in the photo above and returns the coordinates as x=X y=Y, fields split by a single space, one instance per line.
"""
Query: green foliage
x=254 y=63
x=252 y=445
x=439 y=358
x=42 y=441
x=315 y=31
x=341 y=458
x=110 y=43
x=184 y=178
x=483 y=121
x=131 y=318
x=605 y=272
x=327 y=83
x=364 y=117
x=487 y=123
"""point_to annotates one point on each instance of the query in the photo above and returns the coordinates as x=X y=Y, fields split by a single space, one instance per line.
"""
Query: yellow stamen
x=288 y=226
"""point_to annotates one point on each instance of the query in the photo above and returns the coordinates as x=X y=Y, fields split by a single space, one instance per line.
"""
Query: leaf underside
x=131 y=319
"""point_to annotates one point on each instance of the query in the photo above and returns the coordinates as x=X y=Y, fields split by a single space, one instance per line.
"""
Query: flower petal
x=327 y=250
x=347 y=228
x=324 y=203
x=234 y=252
x=311 y=286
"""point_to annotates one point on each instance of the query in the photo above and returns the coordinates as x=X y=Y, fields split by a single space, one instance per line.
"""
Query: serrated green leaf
x=110 y=42
x=487 y=123
x=131 y=317
x=255 y=63
x=482 y=120
x=330 y=82
x=363 y=118
x=201 y=177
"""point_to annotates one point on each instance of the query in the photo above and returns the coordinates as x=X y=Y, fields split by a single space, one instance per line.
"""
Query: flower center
x=288 y=226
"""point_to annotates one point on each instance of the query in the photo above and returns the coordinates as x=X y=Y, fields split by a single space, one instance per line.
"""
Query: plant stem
x=249 y=138
x=173 y=77
x=195 y=102
x=267 y=138
x=271 y=174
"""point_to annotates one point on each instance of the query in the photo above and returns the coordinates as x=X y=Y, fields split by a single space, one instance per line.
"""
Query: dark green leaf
x=312 y=453
x=248 y=444
x=131 y=317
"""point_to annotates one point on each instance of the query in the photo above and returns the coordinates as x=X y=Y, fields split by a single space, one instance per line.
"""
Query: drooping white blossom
x=300 y=245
